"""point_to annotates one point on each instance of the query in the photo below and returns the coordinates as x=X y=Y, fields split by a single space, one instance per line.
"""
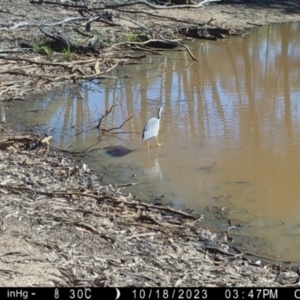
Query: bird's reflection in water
x=152 y=168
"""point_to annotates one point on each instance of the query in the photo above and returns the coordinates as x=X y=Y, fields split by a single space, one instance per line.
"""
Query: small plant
x=68 y=53
x=36 y=48
x=132 y=37
x=47 y=49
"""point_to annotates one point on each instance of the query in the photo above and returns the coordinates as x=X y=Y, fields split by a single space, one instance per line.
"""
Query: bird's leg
x=147 y=145
x=157 y=143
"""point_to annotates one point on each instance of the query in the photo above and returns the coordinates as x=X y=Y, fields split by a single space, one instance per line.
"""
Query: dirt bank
x=59 y=225
x=49 y=43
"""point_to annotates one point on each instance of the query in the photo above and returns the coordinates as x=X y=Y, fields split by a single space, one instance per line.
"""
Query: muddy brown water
x=230 y=134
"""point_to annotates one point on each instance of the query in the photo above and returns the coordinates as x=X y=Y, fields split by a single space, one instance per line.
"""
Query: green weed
x=68 y=53
x=132 y=37
x=47 y=49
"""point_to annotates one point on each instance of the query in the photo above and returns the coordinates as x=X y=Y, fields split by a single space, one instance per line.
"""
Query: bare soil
x=59 y=225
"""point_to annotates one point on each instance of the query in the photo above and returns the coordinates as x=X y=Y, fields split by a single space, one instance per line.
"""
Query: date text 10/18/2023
x=212 y=293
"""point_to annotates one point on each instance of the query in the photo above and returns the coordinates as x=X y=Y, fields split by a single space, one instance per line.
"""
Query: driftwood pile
x=61 y=227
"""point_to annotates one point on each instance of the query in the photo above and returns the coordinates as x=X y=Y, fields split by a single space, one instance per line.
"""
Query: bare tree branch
x=114 y=128
x=108 y=111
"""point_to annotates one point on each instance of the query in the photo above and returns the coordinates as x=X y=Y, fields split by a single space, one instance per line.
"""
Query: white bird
x=151 y=128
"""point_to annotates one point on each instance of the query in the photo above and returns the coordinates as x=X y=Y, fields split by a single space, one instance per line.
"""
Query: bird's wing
x=151 y=129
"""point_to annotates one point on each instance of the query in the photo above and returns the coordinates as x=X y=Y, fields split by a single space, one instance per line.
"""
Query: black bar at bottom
x=149 y=293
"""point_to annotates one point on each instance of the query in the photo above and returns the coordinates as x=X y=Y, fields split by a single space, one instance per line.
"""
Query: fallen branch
x=134 y=43
x=280 y=219
x=97 y=75
x=50 y=63
x=27 y=24
x=65 y=42
x=105 y=18
x=85 y=225
x=116 y=200
x=114 y=6
x=160 y=36
x=66 y=4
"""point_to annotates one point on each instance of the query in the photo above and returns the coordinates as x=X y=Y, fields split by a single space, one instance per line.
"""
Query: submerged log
x=209 y=33
x=162 y=44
